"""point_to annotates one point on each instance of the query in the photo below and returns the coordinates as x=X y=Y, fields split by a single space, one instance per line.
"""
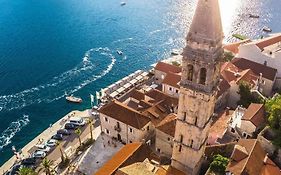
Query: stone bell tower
x=199 y=84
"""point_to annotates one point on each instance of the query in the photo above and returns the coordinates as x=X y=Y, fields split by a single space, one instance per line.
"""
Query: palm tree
x=46 y=166
x=61 y=152
x=90 y=122
x=26 y=171
x=78 y=132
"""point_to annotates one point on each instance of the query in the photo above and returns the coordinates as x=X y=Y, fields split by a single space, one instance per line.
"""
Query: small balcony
x=117 y=128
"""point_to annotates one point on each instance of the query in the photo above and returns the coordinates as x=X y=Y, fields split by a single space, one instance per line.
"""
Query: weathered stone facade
x=199 y=86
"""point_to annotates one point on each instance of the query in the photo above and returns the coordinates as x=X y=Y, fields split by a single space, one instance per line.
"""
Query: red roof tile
x=255 y=113
x=268 y=41
x=168 y=125
x=165 y=67
x=233 y=47
x=172 y=79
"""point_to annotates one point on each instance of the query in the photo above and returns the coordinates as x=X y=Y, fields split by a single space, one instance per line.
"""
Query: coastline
x=45 y=135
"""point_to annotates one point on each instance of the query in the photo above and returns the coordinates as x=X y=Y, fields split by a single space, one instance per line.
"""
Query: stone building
x=165 y=132
x=198 y=87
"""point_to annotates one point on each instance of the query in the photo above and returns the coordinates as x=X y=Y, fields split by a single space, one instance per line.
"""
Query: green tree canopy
x=26 y=171
x=219 y=164
x=246 y=97
x=273 y=108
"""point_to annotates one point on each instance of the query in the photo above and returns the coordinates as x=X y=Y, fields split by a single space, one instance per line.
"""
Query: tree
x=26 y=171
x=273 y=108
x=61 y=152
x=219 y=164
x=46 y=166
x=246 y=97
x=78 y=132
x=90 y=122
x=227 y=56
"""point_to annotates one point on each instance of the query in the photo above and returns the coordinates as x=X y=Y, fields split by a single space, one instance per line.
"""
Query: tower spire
x=206 y=25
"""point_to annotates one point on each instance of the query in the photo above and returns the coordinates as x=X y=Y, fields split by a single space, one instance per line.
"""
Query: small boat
x=119 y=52
x=122 y=3
x=267 y=29
x=253 y=16
x=73 y=99
x=176 y=52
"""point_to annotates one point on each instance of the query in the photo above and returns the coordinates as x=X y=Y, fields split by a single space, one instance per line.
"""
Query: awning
x=120 y=90
x=128 y=85
x=134 y=81
x=139 y=78
x=114 y=94
x=144 y=74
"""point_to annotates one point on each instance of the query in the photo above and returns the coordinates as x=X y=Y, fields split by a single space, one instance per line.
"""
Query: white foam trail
x=155 y=31
x=71 y=81
x=7 y=135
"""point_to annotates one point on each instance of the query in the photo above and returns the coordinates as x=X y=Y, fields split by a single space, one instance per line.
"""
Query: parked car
x=57 y=137
x=39 y=154
x=28 y=161
x=51 y=143
x=77 y=121
x=14 y=170
x=44 y=148
x=63 y=132
x=70 y=126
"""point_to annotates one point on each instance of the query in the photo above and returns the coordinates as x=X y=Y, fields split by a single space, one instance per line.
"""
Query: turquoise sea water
x=43 y=45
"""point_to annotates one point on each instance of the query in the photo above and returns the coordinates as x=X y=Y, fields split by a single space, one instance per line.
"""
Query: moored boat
x=122 y=3
x=73 y=99
x=267 y=29
x=119 y=52
x=253 y=16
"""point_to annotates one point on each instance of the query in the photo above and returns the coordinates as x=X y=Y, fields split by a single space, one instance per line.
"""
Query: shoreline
x=45 y=135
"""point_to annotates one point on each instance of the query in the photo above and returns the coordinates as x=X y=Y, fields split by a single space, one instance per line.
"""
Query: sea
x=50 y=48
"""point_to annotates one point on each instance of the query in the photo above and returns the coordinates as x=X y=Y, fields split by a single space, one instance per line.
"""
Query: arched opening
x=203 y=73
x=189 y=72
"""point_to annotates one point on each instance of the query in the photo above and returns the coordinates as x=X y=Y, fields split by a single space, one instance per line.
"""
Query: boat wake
x=95 y=64
x=7 y=135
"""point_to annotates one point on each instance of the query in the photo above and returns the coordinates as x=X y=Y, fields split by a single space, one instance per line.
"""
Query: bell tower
x=198 y=87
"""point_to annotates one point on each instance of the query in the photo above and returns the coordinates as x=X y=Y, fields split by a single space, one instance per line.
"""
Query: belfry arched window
x=189 y=72
x=203 y=74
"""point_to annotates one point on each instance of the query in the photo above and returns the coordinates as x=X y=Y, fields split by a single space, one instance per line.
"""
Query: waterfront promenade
x=71 y=141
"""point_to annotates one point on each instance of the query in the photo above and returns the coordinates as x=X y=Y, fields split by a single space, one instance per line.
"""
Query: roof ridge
x=250 y=154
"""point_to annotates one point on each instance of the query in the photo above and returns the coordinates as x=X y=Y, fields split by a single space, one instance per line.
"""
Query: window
x=232 y=130
x=195 y=122
x=169 y=139
x=244 y=134
x=106 y=119
x=170 y=89
x=107 y=131
x=147 y=128
x=203 y=72
x=177 y=91
x=184 y=116
x=131 y=130
x=189 y=72
x=191 y=143
x=181 y=138
x=180 y=147
x=118 y=125
x=131 y=141
x=158 y=150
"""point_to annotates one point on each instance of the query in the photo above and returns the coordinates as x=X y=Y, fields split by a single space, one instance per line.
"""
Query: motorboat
x=176 y=52
x=73 y=99
x=253 y=16
x=122 y=3
x=119 y=52
x=267 y=29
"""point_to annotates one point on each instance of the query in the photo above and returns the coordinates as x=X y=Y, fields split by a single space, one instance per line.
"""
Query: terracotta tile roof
x=233 y=47
x=161 y=96
x=255 y=113
x=257 y=68
x=268 y=41
x=169 y=170
x=118 y=159
x=125 y=114
x=172 y=79
x=270 y=168
x=165 y=67
x=228 y=71
x=223 y=86
x=247 y=157
x=138 y=95
x=168 y=124
x=247 y=76
x=219 y=126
